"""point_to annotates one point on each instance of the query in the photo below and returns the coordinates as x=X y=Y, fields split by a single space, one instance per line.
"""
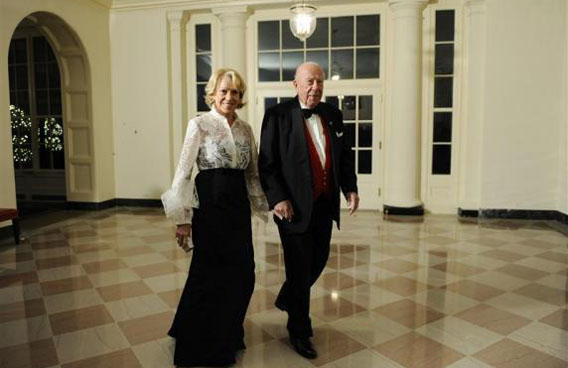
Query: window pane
x=441 y=159
x=269 y=35
x=341 y=64
x=54 y=79
x=444 y=59
x=365 y=162
x=365 y=135
x=23 y=101
x=203 y=37
x=365 y=107
x=203 y=64
x=290 y=61
x=443 y=89
x=40 y=76
x=348 y=107
x=368 y=30
x=442 y=127
x=22 y=77
x=342 y=31
x=58 y=160
x=368 y=63
x=42 y=103
x=288 y=39
x=20 y=50
x=269 y=102
x=201 y=105
x=320 y=57
x=55 y=101
x=444 y=25
x=12 y=77
x=320 y=38
x=349 y=134
x=40 y=49
x=49 y=51
x=332 y=100
x=268 y=67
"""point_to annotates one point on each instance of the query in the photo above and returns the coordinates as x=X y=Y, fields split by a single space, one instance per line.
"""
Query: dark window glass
x=332 y=100
x=444 y=25
x=320 y=38
x=365 y=107
x=203 y=64
x=203 y=37
x=365 y=162
x=269 y=102
x=40 y=49
x=444 y=59
x=23 y=101
x=441 y=159
x=349 y=134
x=40 y=75
x=290 y=61
x=54 y=78
x=341 y=64
x=12 y=52
x=21 y=77
x=342 y=31
x=201 y=105
x=20 y=51
x=368 y=30
x=443 y=90
x=365 y=135
x=42 y=102
x=269 y=67
x=321 y=58
x=288 y=39
x=12 y=77
x=368 y=63
x=269 y=35
x=55 y=101
x=58 y=160
x=348 y=107
x=442 y=127
x=284 y=99
x=49 y=51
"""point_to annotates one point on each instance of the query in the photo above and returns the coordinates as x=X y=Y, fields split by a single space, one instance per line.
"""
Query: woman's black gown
x=208 y=325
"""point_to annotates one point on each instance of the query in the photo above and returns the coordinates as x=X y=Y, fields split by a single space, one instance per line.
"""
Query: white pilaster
x=233 y=37
x=176 y=22
x=403 y=127
x=471 y=127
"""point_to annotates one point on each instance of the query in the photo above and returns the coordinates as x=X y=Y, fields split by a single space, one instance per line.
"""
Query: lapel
x=328 y=119
x=299 y=135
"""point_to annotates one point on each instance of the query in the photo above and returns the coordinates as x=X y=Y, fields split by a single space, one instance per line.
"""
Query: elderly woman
x=214 y=214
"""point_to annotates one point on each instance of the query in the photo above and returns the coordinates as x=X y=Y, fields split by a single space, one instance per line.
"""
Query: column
x=176 y=22
x=469 y=189
x=402 y=195
x=233 y=42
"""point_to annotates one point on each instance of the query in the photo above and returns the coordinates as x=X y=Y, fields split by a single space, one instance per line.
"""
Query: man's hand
x=352 y=202
x=283 y=210
x=183 y=233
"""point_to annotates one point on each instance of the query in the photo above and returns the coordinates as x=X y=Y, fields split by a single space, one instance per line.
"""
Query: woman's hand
x=183 y=235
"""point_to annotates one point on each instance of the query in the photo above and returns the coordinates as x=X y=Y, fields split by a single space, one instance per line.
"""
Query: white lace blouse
x=212 y=143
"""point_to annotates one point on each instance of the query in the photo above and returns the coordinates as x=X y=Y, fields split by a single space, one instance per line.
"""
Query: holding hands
x=183 y=236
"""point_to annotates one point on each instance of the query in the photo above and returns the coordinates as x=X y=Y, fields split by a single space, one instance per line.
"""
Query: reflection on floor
x=100 y=289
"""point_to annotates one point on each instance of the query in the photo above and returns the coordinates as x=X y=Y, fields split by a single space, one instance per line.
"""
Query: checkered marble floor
x=100 y=290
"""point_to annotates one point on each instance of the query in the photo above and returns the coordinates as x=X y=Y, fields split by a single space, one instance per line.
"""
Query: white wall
x=525 y=94
x=139 y=53
x=563 y=176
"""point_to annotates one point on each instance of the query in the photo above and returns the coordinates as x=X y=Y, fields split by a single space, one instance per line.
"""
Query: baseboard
x=403 y=211
x=91 y=206
x=130 y=202
x=127 y=202
x=467 y=213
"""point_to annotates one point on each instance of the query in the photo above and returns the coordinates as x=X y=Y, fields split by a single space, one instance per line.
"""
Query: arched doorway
x=50 y=105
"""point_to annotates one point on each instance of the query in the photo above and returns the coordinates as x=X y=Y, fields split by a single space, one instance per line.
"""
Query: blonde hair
x=216 y=78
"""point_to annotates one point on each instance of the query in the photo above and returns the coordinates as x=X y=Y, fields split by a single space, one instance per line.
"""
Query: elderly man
x=304 y=163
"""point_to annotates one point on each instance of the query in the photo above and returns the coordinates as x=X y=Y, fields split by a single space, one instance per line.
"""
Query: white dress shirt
x=314 y=124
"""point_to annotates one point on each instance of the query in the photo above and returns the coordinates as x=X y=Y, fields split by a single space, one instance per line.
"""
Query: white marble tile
x=156 y=354
x=545 y=338
x=370 y=328
x=363 y=359
x=113 y=277
x=89 y=342
x=25 y=330
x=523 y=306
x=73 y=300
x=20 y=293
x=136 y=307
x=167 y=282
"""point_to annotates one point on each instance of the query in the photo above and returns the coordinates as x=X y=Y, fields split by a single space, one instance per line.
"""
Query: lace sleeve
x=179 y=199
x=258 y=202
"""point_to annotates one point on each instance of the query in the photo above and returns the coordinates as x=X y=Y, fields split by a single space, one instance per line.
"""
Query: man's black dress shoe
x=304 y=347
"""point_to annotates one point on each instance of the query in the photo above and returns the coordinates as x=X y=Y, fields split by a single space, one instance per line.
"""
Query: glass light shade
x=303 y=21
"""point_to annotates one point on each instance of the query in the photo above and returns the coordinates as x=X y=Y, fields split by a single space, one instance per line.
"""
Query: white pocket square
x=339 y=134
